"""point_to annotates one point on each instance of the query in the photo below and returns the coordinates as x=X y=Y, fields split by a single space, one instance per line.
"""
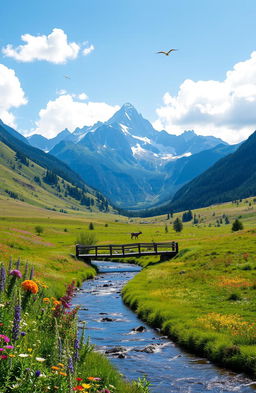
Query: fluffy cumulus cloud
x=11 y=94
x=225 y=109
x=54 y=48
x=66 y=112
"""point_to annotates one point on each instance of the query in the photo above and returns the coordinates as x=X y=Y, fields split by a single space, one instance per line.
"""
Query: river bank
x=136 y=349
x=204 y=300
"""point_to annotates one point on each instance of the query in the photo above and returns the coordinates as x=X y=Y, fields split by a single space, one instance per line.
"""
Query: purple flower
x=2 y=278
x=70 y=365
x=31 y=273
x=18 y=263
x=37 y=373
x=76 y=350
x=16 y=273
x=16 y=322
x=23 y=334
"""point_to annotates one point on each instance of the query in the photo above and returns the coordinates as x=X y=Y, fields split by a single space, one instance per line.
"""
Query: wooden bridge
x=166 y=250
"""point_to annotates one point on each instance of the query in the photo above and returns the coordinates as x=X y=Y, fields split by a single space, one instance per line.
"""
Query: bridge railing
x=125 y=249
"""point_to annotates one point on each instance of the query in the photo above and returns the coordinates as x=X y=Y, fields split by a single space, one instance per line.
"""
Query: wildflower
x=23 y=334
x=16 y=322
x=76 y=350
x=86 y=385
x=30 y=286
x=37 y=373
x=1 y=349
x=61 y=365
x=38 y=359
x=3 y=356
x=93 y=379
x=31 y=273
x=2 y=278
x=55 y=368
x=78 y=387
x=12 y=356
x=23 y=355
x=30 y=349
x=70 y=365
x=62 y=373
x=9 y=346
x=79 y=379
x=46 y=300
x=5 y=338
x=16 y=273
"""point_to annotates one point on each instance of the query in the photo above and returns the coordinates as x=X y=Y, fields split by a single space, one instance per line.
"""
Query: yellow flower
x=46 y=300
x=60 y=364
x=30 y=349
x=12 y=356
x=86 y=385
x=55 y=368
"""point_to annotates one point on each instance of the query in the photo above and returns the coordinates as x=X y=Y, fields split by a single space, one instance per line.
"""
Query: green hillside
x=24 y=180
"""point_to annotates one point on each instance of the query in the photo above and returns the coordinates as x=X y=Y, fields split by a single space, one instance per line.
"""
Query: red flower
x=79 y=379
x=78 y=387
x=3 y=357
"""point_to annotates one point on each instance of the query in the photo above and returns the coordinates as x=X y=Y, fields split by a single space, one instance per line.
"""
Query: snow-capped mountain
x=127 y=159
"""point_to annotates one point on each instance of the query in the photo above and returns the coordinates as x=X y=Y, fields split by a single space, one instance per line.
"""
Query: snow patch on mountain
x=124 y=129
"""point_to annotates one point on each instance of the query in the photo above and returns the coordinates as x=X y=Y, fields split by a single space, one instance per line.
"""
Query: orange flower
x=46 y=300
x=62 y=373
x=56 y=302
x=30 y=286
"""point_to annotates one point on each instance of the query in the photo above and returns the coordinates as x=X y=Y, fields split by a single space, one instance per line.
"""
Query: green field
x=209 y=289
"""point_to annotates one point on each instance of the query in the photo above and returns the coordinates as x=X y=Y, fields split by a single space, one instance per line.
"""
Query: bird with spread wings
x=167 y=53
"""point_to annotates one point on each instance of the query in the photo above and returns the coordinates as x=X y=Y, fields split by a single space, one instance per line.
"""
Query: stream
x=110 y=326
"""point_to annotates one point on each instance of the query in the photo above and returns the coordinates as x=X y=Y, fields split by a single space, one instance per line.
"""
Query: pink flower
x=3 y=356
x=16 y=273
x=5 y=338
x=9 y=346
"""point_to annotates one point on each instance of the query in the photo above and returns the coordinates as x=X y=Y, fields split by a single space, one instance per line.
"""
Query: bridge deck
x=167 y=249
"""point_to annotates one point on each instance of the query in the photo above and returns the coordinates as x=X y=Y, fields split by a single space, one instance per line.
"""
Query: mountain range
x=130 y=162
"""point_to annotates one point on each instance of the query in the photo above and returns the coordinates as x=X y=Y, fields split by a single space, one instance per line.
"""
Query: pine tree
x=237 y=225
x=177 y=225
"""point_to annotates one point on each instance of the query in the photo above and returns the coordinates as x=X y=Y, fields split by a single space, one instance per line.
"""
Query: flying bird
x=67 y=77
x=167 y=53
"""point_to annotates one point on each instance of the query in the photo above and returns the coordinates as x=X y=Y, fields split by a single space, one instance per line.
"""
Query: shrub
x=39 y=229
x=86 y=239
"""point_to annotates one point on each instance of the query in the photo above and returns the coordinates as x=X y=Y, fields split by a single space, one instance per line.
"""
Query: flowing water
x=110 y=326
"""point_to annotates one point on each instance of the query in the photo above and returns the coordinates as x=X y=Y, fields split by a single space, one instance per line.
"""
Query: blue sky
x=122 y=37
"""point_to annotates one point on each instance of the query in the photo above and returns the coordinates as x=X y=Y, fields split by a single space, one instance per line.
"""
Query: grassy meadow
x=204 y=298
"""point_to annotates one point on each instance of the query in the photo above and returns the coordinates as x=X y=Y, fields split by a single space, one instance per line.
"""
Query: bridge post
x=123 y=249
x=110 y=250
x=77 y=251
x=139 y=248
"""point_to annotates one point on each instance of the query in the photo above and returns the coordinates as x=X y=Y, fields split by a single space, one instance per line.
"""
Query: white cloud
x=65 y=112
x=87 y=51
x=225 y=109
x=54 y=48
x=83 y=96
x=11 y=94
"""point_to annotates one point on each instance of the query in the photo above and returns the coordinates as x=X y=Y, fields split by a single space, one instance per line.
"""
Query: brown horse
x=135 y=235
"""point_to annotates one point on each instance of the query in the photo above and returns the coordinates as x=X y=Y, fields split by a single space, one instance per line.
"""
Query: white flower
x=40 y=359
x=23 y=355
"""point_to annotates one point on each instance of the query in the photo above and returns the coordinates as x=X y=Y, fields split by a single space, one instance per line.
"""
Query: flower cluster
x=233 y=324
x=30 y=286
x=234 y=282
